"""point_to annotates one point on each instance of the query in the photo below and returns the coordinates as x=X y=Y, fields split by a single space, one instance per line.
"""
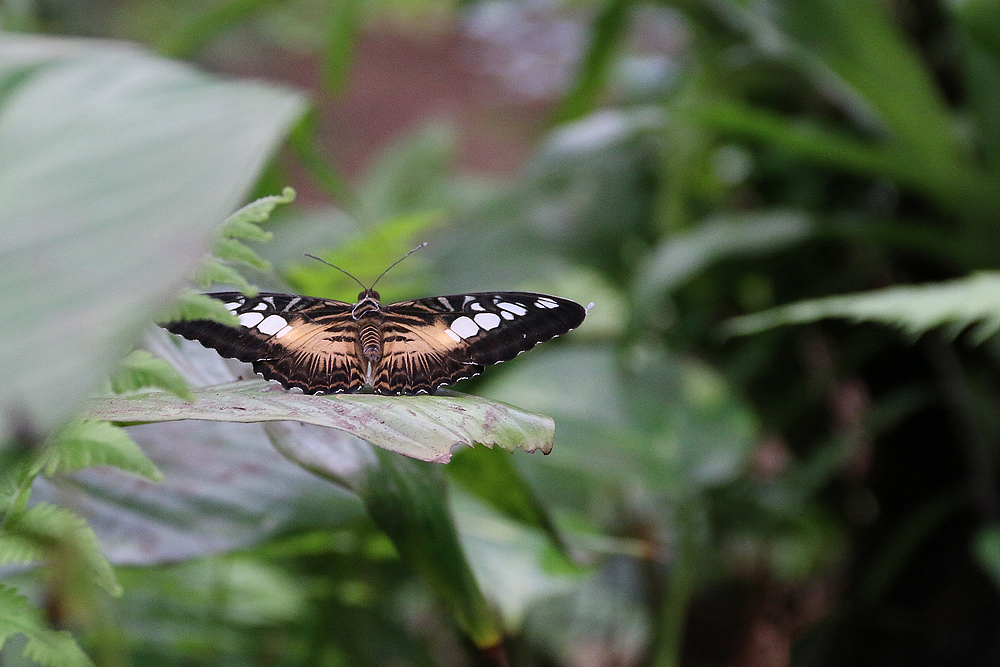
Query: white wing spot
x=233 y=306
x=444 y=302
x=475 y=305
x=285 y=329
x=454 y=336
x=465 y=327
x=544 y=302
x=260 y=306
x=515 y=308
x=272 y=324
x=506 y=315
x=251 y=319
x=487 y=320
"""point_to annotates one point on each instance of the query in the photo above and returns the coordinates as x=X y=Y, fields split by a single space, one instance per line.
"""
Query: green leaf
x=915 y=309
x=338 y=54
x=857 y=42
x=118 y=167
x=407 y=500
x=184 y=40
x=491 y=476
x=423 y=427
x=232 y=250
x=47 y=647
x=953 y=186
x=140 y=369
x=410 y=177
x=987 y=550
x=191 y=305
x=83 y=444
x=681 y=256
x=243 y=224
x=664 y=423
x=607 y=34
x=214 y=272
x=65 y=539
x=514 y=563
x=366 y=255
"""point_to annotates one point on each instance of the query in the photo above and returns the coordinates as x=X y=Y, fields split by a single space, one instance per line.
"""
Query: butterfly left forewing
x=301 y=342
x=440 y=340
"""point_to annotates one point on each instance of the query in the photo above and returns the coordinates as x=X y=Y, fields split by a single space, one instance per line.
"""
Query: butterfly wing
x=299 y=341
x=440 y=340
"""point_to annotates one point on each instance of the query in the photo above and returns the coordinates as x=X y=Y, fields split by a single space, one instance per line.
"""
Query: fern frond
x=956 y=305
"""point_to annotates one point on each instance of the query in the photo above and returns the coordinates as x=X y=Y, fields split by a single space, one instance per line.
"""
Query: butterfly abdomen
x=368 y=314
x=370 y=340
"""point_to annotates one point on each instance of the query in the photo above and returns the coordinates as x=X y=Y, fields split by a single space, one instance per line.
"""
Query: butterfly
x=411 y=347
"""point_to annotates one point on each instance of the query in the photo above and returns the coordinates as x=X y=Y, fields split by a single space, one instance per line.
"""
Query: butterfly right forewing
x=437 y=341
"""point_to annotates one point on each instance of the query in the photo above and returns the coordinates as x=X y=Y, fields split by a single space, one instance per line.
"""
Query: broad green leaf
x=423 y=427
x=338 y=53
x=410 y=177
x=606 y=36
x=663 y=423
x=514 y=563
x=856 y=41
x=491 y=476
x=52 y=648
x=682 y=256
x=183 y=40
x=85 y=443
x=366 y=256
x=118 y=168
x=987 y=550
x=981 y=20
x=915 y=309
x=407 y=500
x=955 y=187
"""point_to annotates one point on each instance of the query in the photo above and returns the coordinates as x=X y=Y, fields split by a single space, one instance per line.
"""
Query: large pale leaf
x=423 y=427
x=224 y=487
x=117 y=167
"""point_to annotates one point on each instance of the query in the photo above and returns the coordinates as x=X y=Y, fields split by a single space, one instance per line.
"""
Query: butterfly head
x=368 y=302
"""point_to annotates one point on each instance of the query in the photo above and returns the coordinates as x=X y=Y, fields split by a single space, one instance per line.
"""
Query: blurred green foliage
x=816 y=492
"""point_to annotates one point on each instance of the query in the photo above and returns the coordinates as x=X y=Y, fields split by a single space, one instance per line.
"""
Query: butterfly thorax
x=368 y=314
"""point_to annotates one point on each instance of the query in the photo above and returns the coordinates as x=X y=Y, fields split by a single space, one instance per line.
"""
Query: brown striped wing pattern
x=411 y=347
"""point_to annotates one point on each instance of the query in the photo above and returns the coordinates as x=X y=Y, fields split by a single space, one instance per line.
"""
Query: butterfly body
x=411 y=347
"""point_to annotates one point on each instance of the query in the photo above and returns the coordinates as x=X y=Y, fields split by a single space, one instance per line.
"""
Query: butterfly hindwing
x=317 y=345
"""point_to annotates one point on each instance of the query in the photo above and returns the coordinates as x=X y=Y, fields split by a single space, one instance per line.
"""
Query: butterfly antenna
x=397 y=262
x=339 y=269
